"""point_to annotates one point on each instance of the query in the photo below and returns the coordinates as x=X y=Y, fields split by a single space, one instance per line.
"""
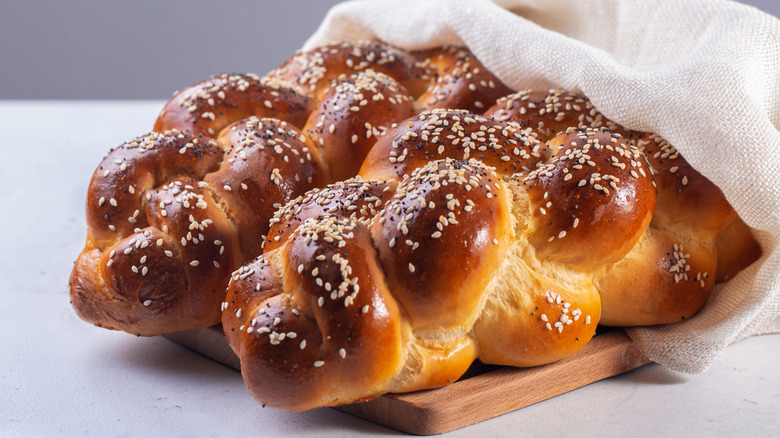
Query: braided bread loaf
x=172 y=213
x=382 y=234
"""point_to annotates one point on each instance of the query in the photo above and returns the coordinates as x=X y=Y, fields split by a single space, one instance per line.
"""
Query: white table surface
x=60 y=376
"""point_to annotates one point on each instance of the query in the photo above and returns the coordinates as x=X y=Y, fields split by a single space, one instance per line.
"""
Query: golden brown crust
x=591 y=201
x=507 y=236
x=455 y=134
x=686 y=199
x=313 y=70
x=353 y=112
x=135 y=224
x=546 y=113
x=462 y=82
x=446 y=207
x=206 y=107
x=150 y=282
x=544 y=239
x=117 y=190
x=207 y=206
x=315 y=341
x=689 y=211
x=737 y=249
x=662 y=280
x=355 y=198
x=548 y=322
x=265 y=159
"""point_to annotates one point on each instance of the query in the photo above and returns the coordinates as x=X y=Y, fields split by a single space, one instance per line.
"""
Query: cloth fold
x=704 y=74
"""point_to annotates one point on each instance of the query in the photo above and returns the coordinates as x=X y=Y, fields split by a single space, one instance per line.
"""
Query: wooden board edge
x=501 y=391
x=468 y=401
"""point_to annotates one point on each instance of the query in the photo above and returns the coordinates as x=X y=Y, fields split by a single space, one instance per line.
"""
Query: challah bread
x=459 y=250
x=578 y=236
x=355 y=110
x=395 y=234
x=355 y=198
x=305 y=347
x=456 y=134
x=737 y=249
x=690 y=216
x=311 y=71
x=170 y=216
x=669 y=274
x=259 y=160
x=596 y=196
x=546 y=113
x=434 y=301
x=461 y=81
x=208 y=106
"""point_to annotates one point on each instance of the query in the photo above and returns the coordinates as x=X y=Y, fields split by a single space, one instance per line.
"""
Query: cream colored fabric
x=705 y=74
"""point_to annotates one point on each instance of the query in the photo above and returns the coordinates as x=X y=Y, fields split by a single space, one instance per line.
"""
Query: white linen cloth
x=704 y=74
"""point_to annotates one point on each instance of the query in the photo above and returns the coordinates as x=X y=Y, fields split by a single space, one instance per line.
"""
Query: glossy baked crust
x=365 y=220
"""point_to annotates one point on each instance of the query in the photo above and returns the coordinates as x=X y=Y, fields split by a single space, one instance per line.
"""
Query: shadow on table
x=654 y=374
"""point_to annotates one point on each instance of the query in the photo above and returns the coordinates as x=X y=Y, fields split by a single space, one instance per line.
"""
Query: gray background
x=146 y=49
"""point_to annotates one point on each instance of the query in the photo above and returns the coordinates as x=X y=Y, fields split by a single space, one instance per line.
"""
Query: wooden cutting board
x=484 y=392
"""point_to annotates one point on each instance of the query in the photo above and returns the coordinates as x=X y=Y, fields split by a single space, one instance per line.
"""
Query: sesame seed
x=318 y=363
